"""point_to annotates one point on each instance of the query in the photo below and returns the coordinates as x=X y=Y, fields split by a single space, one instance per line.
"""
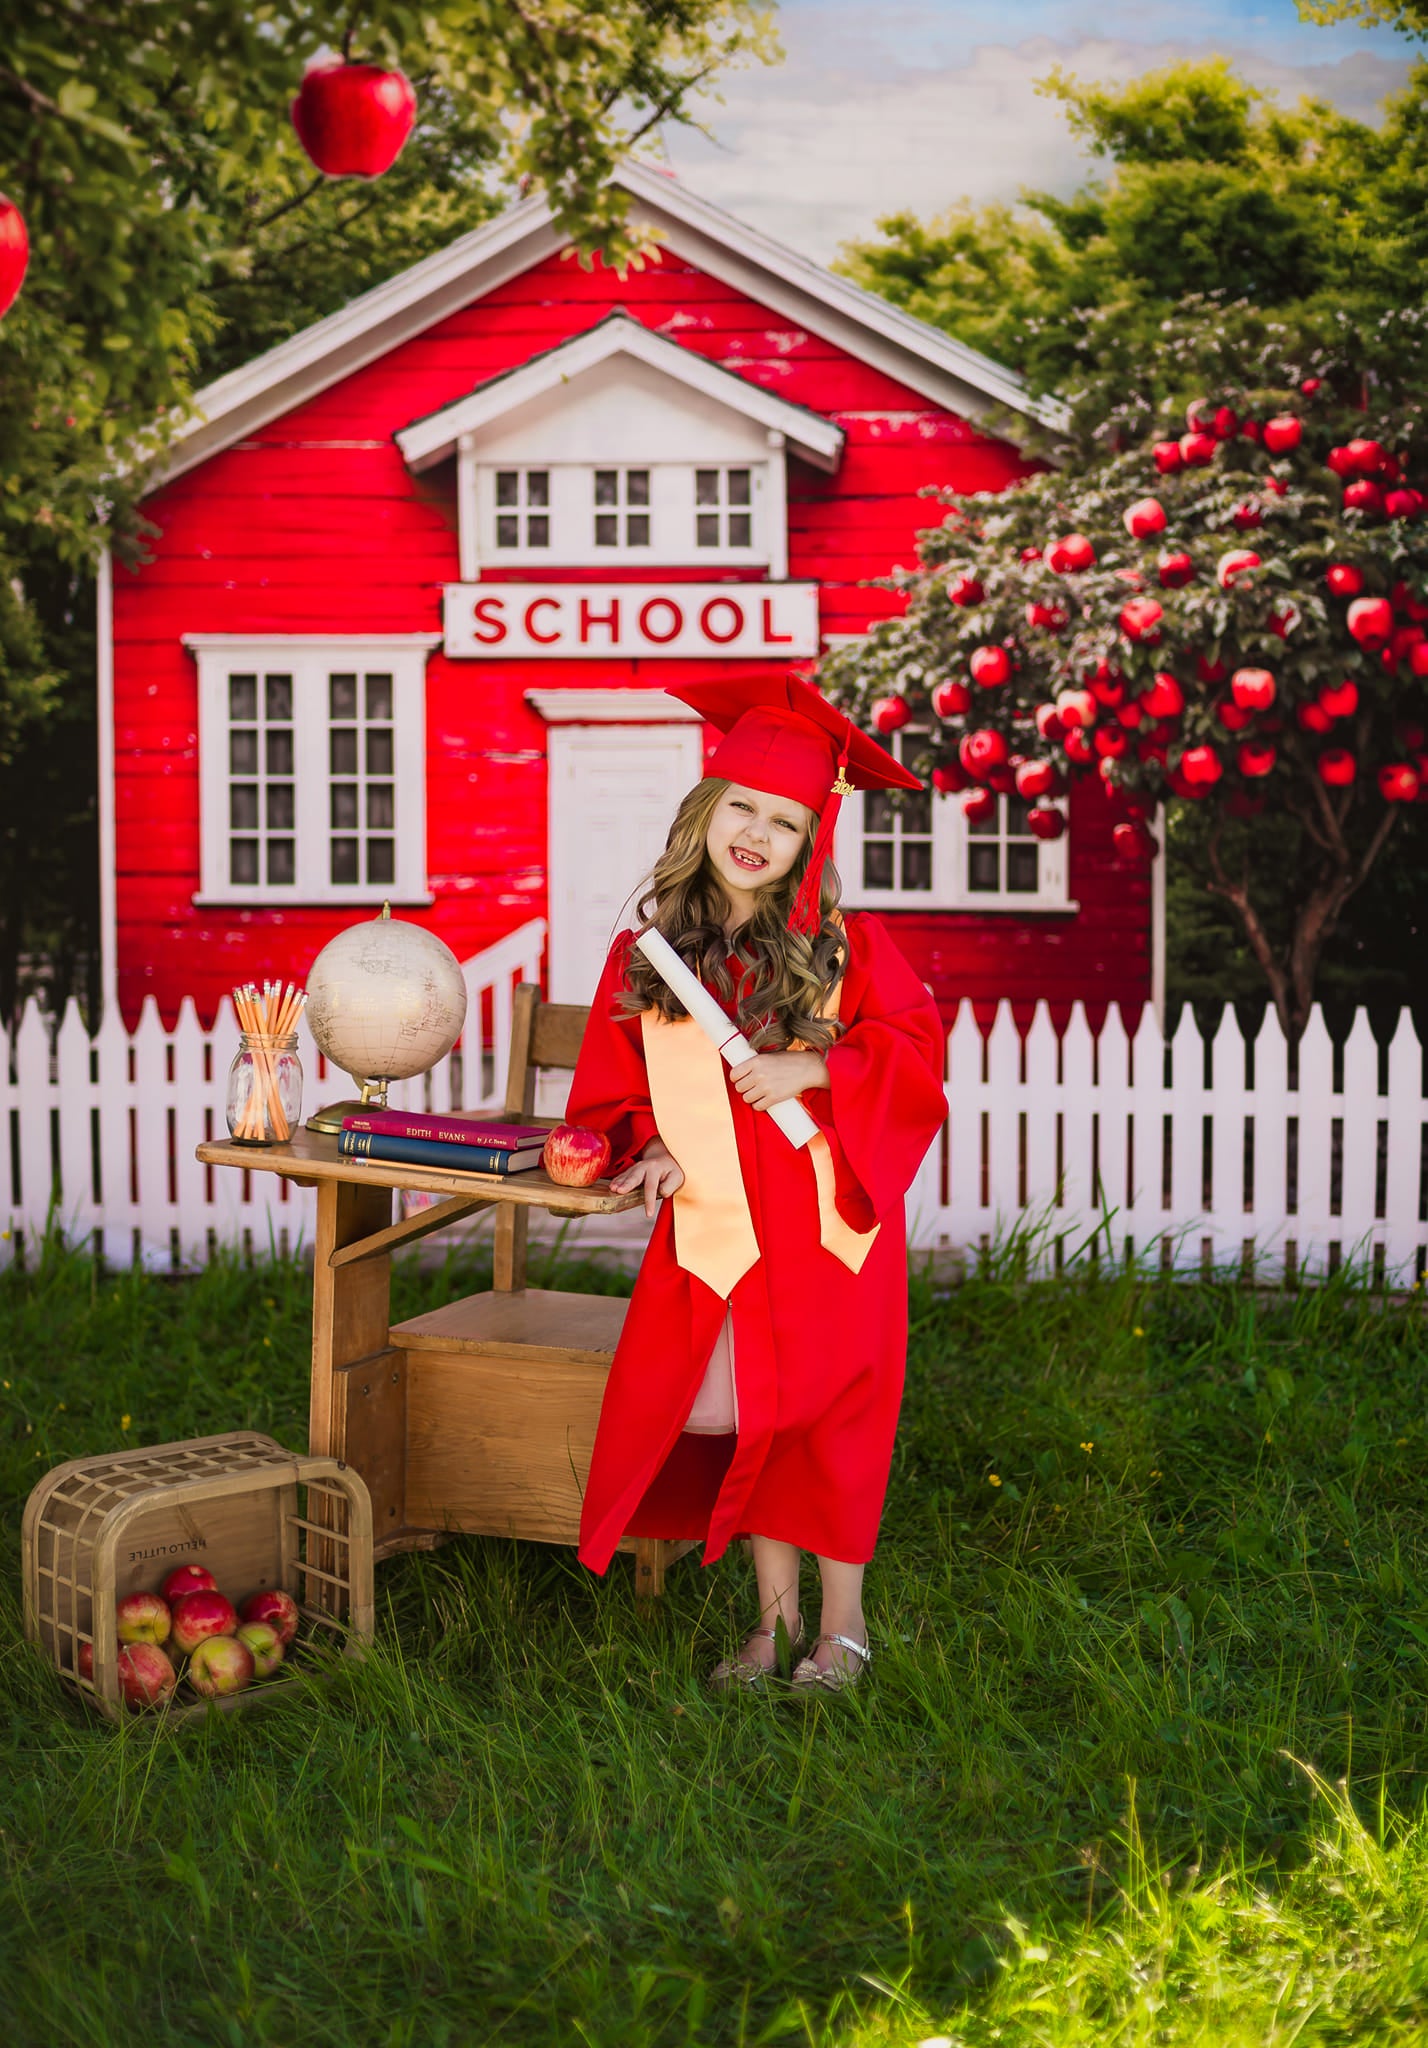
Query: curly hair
x=788 y=976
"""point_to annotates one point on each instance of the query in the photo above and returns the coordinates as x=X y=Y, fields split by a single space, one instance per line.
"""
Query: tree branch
x=1237 y=895
x=298 y=199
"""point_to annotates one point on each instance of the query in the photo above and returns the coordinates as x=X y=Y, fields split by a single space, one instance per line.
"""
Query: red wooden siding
x=315 y=525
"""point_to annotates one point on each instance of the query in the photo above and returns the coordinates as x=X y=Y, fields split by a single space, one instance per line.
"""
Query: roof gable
x=917 y=355
x=433 y=439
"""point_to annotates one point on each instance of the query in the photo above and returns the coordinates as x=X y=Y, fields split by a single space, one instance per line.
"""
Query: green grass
x=1093 y=1793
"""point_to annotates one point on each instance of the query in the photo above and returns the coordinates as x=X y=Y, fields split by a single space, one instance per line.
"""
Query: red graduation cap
x=784 y=738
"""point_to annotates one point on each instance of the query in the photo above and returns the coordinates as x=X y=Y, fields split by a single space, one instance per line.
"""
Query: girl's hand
x=656 y=1173
x=773 y=1077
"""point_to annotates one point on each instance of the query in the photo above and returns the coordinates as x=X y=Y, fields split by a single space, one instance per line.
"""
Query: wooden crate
x=256 y=1515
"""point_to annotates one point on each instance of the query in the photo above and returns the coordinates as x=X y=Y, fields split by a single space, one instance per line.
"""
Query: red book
x=456 y=1127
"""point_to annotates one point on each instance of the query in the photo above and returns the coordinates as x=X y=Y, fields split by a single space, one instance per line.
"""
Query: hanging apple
x=1254 y=757
x=1035 y=779
x=1070 y=555
x=1363 y=495
x=981 y=751
x=1133 y=844
x=1337 y=767
x=949 y=777
x=1198 y=449
x=1398 y=783
x=1312 y=718
x=965 y=590
x=1225 y=423
x=1340 y=700
x=1283 y=433
x=978 y=805
x=14 y=253
x=1403 y=503
x=1246 y=516
x=1044 y=823
x=890 y=714
x=1176 y=570
x=1140 y=620
x=1050 y=617
x=1365 y=458
x=1343 y=579
x=990 y=666
x=1076 y=708
x=1371 y=622
x=1201 y=765
x=1252 y=688
x=1145 y=517
x=1167 y=457
x=353 y=119
x=1048 y=722
x=951 y=698
x=1235 y=565
x=1164 y=698
x=1231 y=717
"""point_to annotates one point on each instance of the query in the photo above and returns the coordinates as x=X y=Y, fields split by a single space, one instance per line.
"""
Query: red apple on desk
x=275 y=1607
x=574 y=1156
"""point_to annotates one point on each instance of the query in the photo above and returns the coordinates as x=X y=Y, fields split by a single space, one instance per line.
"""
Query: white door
x=613 y=793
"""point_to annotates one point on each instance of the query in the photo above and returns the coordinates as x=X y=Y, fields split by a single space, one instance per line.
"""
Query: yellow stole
x=713 y=1230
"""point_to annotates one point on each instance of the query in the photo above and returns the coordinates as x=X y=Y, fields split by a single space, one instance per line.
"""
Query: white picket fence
x=1184 y=1154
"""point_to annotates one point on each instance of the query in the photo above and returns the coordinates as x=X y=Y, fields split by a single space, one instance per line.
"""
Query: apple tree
x=1228 y=611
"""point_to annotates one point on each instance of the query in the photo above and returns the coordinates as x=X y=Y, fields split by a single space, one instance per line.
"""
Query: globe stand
x=328 y=1120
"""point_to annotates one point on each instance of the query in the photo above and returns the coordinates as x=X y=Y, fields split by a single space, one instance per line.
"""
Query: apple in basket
x=146 y=1677
x=574 y=1156
x=143 y=1618
x=200 y=1615
x=264 y=1644
x=275 y=1607
x=188 y=1578
x=220 y=1665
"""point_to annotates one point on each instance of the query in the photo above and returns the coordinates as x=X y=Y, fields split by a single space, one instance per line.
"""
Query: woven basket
x=256 y=1515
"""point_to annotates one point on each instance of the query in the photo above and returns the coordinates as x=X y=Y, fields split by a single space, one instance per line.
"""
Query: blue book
x=432 y=1152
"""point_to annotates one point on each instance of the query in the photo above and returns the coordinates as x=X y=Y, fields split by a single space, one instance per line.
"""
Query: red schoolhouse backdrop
x=421 y=574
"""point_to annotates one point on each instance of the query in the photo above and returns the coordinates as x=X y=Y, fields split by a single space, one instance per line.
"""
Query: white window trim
x=949 y=891
x=309 y=658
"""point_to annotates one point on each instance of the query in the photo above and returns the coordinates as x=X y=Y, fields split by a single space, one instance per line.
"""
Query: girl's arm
x=884 y=1100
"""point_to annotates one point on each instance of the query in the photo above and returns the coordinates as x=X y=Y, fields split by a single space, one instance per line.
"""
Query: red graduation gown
x=819 y=1350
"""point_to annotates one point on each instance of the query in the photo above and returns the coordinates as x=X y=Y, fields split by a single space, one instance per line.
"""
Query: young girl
x=756 y=1386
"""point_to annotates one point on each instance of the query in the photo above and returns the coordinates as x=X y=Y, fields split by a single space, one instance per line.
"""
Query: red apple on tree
x=978 y=805
x=1403 y=503
x=277 y=1608
x=1363 y=495
x=965 y=590
x=146 y=1676
x=1044 y=823
x=1364 y=457
x=1344 y=579
x=220 y=1665
x=1252 y=688
x=1034 y=779
x=14 y=253
x=950 y=777
x=1198 y=449
x=574 y=1157
x=143 y=1618
x=1283 y=433
x=1176 y=570
x=1070 y=555
x=951 y=698
x=1237 y=563
x=1076 y=707
x=1164 y=698
x=1167 y=457
x=1201 y=765
x=1145 y=517
x=1398 y=783
x=890 y=714
x=1140 y=620
x=1254 y=757
x=1371 y=622
x=353 y=119
x=1337 y=767
x=200 y=1615
x=990 y=666
x=1312 y=718
x=188 y=1578
x=1340 y=700
x=981 y=751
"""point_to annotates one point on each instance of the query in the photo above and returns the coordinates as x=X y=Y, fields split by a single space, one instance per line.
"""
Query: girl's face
x=754 y=839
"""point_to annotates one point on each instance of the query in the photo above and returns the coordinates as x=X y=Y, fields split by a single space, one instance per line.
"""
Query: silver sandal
x=808 y=1674
x=734 y=1671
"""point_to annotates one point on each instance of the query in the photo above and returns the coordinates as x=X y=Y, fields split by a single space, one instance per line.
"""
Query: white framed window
x=522 y=510
x=724 y=507
x=918 y=851
x=583 y=514
x=312 y=768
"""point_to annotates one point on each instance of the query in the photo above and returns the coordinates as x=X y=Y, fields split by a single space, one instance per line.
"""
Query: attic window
x=724 y=500
x=522 y=508
x=595 y=514
x=622 y=498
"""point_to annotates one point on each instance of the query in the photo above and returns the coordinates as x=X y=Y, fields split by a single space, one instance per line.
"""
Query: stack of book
x=465 y=1141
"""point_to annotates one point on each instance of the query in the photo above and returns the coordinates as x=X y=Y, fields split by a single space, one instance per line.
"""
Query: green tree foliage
x=177 y=228
x=1213 y=190
x=1034 y=666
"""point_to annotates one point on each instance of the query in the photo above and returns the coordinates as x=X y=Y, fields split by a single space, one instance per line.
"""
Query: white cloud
x=872 y=113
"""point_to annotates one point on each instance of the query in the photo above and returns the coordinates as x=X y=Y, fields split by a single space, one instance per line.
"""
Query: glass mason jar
x=264 y=1089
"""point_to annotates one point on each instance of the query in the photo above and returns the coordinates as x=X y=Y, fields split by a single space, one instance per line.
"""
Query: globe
x=385 y=1000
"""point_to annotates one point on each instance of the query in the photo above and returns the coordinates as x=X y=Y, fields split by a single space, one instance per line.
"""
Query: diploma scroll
x=791 y=1117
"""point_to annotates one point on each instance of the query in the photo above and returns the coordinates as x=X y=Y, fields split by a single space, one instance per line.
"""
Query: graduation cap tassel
x=807 y=913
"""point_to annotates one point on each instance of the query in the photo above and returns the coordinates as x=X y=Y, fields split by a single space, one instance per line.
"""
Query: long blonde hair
x=788 y=977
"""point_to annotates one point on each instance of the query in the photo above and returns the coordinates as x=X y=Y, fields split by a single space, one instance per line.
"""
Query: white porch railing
x=1182 y=1154
x=101 y=1132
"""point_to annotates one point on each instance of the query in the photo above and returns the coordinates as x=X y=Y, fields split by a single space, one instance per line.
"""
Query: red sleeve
x=610 y=1089
x=886 y=1102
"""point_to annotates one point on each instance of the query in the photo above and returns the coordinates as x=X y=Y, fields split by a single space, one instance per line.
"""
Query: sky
x=882 y=105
